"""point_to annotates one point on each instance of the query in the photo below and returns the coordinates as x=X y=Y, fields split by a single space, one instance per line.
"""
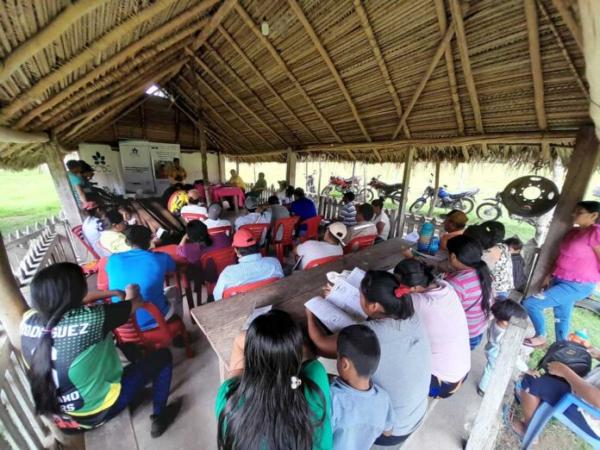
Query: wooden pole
x=202 y=131
x=436 y=187
x=579 y=172
x=406 y=182
x=536 y=62
x=62 y=186
x=291 y=167
x=221 y=163
x=12 y=303
x=590 y=24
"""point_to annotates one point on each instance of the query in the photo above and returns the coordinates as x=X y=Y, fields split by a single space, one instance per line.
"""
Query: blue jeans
x=475 y=341
x=561 y=296
x=491 y=355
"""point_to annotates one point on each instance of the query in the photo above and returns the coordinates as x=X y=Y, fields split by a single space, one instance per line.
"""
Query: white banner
x=137 y=168
x=162 y=156
x=108 y=174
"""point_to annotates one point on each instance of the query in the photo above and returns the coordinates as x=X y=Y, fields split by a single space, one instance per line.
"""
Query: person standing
x=176 y=172
x=348 y=209
x=381 y=220
x=76 y=181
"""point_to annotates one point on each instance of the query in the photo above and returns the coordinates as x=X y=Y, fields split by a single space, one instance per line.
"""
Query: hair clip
x=295 y=382
x=402 y=290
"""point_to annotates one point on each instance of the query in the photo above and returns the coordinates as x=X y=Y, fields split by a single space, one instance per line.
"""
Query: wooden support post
x=436 y=187
x=12 y=303
x=405 y=186
x=221 y=163
x=590 y=23
x=290 y=174
x=579 y=172
x=63 y=189
x=202 y=131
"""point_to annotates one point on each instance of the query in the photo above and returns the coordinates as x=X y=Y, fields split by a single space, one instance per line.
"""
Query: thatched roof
x=330 y=74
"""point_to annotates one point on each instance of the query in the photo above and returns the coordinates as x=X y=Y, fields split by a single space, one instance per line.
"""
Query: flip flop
x=527 y=343
x=507 y=417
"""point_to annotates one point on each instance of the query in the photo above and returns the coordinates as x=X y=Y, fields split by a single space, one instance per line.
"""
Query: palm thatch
x=341 y=79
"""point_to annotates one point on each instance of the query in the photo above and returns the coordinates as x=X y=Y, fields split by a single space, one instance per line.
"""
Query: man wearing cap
x=251 y=266
x=331 y=245
x=454 y=225
x=214 y=217
x=194 y=205
x=252 y=215
x=92 y=226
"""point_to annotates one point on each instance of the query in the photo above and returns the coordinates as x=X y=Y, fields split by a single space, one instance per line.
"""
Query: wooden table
x=222 y=321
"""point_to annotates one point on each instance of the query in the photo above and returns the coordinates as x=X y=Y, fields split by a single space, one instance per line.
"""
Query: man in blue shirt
x=301 y=206
x=251 y=266
x=76 y=181
x=142 y=267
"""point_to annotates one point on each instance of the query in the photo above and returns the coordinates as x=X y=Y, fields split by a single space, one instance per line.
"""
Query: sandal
x=527 y=342
x=507 y=418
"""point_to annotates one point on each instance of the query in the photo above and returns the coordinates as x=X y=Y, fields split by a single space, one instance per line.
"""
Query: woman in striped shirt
x=472 y=282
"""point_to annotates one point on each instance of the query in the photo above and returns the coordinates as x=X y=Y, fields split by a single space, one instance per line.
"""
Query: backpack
x=571 y=354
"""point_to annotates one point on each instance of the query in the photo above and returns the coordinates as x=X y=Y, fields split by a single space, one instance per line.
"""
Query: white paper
x=356 y=277
x=347 y=298
x=257 y=312
x=330 y=315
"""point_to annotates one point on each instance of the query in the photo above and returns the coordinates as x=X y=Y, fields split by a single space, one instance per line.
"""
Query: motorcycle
x=491 y=209
x=310 y=184
x=342 y=185
x=463 y=201
x=384 y=191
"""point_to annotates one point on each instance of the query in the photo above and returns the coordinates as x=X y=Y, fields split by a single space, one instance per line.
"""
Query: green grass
x=27 y=197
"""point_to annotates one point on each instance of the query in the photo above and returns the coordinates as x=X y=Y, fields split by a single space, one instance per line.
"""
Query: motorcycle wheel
x=365 y=195
x=488 y=211
x=417 y=205
x=465 y=204
x=326 y=191
x=396 y=197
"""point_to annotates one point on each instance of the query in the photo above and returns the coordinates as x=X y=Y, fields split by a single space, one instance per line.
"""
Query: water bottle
x=434 y=245
x=425 y=236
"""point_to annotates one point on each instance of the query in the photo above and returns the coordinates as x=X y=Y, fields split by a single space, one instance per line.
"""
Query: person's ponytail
x=382 y=287
x=485 y=280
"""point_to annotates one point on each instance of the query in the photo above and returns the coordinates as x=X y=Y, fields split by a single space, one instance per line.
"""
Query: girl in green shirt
x=278 y=401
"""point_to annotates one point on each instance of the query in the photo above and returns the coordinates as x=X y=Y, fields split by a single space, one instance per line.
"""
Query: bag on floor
x=571 y=354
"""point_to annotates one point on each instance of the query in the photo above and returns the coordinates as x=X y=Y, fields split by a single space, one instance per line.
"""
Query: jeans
x=475 y=341
x=491 y=355
x=561 y=296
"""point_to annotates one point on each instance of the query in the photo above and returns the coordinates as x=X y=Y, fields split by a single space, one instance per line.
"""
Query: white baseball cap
x=339 y=231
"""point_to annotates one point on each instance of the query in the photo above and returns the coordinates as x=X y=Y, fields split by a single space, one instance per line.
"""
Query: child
x=518 y=263
x=361 y=410
x=502 y=310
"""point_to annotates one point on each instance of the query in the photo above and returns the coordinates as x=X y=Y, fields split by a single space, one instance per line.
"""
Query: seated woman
x=277 y=399
x=74 y=368
x=405 y=366
x=197 y=241
x=550 y=388
x=112 y=239
x=441 y=312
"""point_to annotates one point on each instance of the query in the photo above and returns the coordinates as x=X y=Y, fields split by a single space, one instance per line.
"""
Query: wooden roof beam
x=215 y=21
x=329 y=63
x=387 y=79
x=226 y=88
x=267 y=44
x=463 y=49
x=452 y=84
x=10 y=136
x=536 y=62
x=570 y=22
x=258 y=73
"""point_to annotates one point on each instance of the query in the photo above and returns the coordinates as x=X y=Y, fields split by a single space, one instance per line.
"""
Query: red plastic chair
x=181 y=278
x=235 y=290
x=259 y=230
x=320 y=261
x=188 y=217
x=78 y=233
x=287 y=235
x=102 y=277
x=212 y=264
x=312 y=228
x=358 y=243
x=217 y=230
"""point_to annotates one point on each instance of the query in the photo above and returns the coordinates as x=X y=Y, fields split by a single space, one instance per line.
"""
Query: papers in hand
x=257 y=312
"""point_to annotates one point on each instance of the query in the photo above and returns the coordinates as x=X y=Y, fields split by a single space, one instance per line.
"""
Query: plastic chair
x=259 y=230
x=312 y=228
x=359 y=243
x=181 y=279
x=320 y=261
x=217 y=230
x=287 y=235
x=212 y=264
x=235 y=290
x=102 y=277
x=188 y=217
x=545 y=412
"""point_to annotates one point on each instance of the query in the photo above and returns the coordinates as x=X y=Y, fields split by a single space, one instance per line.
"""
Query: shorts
x=443 y=389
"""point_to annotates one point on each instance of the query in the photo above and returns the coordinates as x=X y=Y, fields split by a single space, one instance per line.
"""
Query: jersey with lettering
x=85 y=365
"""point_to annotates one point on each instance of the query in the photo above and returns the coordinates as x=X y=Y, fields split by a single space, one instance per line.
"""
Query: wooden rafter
x=156 y=36
x=275 y=54
x=85 y=57
x=143 y=121
x=452 y=84
x=214 y=22
x=387 y=79
x=269 y=86
x=329 y=63
x=226 y=88
x=569 y=20
x=8 y=135
x=48 y=34
x=536 y=62
x=463 y=50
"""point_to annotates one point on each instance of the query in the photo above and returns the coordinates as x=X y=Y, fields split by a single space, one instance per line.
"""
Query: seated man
x=145 y=268
x=112 y=240
x=364 y=226
x=454 y=225
x=214 y=220
x=251 y=266
x=550 y=389
x=302 y=206
x=331 y=245
x=381 y=220
x=252 y=215
x=260 y=185
x=194 y=206
x=348 y=210
x=236 y=180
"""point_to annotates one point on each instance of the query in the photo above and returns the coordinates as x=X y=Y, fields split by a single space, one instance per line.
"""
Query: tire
x=396 y=197
x=465 y=204
x=417 y=205
x=326 y=191
x=365 y=195
x=488 y=211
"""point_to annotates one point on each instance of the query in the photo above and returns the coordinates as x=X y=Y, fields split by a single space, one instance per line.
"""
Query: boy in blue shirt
x=361 y=410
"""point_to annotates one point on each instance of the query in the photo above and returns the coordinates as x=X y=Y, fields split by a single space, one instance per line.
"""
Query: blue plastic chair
x=545 y=412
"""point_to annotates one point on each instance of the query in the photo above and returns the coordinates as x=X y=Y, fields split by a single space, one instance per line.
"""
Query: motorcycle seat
x=466 y=193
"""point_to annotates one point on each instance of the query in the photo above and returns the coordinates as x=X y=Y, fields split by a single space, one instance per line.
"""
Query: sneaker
x=161 y=422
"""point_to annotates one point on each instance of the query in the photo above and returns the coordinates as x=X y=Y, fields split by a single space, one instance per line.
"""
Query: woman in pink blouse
x=574 y=276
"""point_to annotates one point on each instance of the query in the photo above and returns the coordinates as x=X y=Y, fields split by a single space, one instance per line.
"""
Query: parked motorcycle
x=342 y=185
x=310 y=184
x=384 y=191
x=463 y=201
x=491 y=209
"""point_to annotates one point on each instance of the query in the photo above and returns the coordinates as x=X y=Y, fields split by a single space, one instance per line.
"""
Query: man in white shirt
x=381 y=220
x=364 y=226
x=253 y=216
x=331 y=245
x=194 y=206
x=214 y=220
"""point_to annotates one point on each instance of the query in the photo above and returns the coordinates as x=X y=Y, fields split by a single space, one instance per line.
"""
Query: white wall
x=192 y=162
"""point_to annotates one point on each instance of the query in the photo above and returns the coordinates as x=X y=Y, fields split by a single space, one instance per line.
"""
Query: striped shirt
x=348 y=214
x=468 y=287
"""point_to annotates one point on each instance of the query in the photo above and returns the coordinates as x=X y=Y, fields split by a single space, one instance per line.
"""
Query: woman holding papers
x=405 y=368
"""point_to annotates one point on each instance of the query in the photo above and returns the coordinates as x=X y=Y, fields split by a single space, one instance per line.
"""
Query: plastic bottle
x=434 y=245
x=425 y=236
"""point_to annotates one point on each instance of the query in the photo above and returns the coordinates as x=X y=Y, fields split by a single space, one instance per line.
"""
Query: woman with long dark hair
x=472 y=282
x=197 y=241
x=73 y=366
x=278 y=400
x=404 y=369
